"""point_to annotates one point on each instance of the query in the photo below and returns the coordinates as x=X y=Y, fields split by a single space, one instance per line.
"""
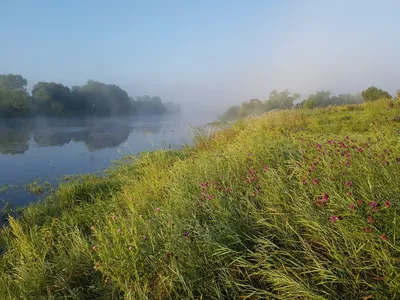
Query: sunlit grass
x=291 y=205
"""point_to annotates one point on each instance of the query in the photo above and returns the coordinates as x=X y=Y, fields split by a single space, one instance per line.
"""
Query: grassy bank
x=292 y=205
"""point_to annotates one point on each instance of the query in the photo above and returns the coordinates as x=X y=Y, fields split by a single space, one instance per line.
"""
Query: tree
x=51 y=97
x=398 y=95
x=373 y=93
x=13 y=82
x=14 y=100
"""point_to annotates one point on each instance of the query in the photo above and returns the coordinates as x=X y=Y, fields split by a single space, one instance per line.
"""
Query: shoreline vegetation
x=298 y=204
x=91 y=99
x=286 y=100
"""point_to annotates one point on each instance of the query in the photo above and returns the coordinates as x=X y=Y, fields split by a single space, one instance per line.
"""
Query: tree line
x=287 y=100
x=93 y=98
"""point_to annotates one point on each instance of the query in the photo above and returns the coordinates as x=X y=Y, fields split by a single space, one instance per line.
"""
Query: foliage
x=55 y=99
x=300 y=204
x=373 y=93
x=38 y=187
x=277 y=100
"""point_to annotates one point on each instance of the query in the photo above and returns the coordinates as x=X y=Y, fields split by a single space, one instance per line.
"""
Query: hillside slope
x=300 y=204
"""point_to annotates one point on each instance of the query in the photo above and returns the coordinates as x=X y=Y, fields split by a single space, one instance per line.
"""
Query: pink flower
x=91 y=227
x=360 y=203
x=373 y=204
x=200 y=204
x=348 y=183
x=334 y=219
x=368 y=229
x=352 y=206
x=119 y=230
x=370 y=220
x=144 y=238
x=158 y=209
x=94 y=248
x=319 y=146
x=186 y=234
x=360 y=149
x=130 y=248
x=384 y=236
x=388 y=204
x=315 y=181
x=113 y=217
x=228 y=190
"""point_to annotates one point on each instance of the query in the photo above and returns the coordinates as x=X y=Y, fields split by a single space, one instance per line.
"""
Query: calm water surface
x=46 y=149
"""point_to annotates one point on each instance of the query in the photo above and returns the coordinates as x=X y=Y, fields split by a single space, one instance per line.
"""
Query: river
x=47 y=148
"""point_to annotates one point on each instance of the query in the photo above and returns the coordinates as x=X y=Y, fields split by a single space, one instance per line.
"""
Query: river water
x=47 y=148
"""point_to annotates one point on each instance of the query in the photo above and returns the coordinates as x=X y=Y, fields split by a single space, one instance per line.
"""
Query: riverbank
x=293 y=205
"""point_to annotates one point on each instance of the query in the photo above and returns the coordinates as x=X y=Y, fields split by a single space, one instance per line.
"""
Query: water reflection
x=17 y=135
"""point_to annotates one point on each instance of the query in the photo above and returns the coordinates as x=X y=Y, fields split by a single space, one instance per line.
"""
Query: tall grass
x=292 y=205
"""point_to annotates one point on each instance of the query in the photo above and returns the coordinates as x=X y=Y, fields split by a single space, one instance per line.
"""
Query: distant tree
x=51 y=97
x=398 y=95
x=282 y=100
x=14 y=100
x=373 y=93
x=309 y=104
x=13 y=82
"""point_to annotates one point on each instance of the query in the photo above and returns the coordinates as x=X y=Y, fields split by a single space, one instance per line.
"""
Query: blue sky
x=204 y=53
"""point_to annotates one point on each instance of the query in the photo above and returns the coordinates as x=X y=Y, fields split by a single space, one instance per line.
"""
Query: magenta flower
x=315 y=181
x=334 y=219
x=370 y=220
x=360 y=149
x=94 y=248
x=158 y=209
x=352 y=206
x=144 y=238
x=373 y=204
x=368 y=229
x=200 y=204
x=319 y=146
x=119 y=230
x=384 y=236
x=348 y=183
x=387 y=204
x=186 y=234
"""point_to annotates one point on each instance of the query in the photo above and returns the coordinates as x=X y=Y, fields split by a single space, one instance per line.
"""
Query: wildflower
x=325 y=197
x=370 y=220
x=352 y=206
x=350 y=194
x=348 y=163
x=334 y=219
x=360 y=149
x=373 y=204
x=387 y=204
x=315 y=181
x=158 y=209
x=91 y=227
x=113 y=217
x=94 y=248
x=347 y=137
x=200 y=204
x=130 y=248
x=348 y=155
x=367 y=229
x=348 y=183
x=119 y=230
x=319 y=146
x=144 y=238
x=228 y=189
x=384 y=236
x=359 y=202
x=186 y=234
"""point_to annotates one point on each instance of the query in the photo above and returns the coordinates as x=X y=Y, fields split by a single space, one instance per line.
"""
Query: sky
x=205 y=54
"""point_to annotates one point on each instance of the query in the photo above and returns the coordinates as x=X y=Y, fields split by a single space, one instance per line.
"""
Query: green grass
x=291 y=205
x=7 y=187
x=37 y=187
